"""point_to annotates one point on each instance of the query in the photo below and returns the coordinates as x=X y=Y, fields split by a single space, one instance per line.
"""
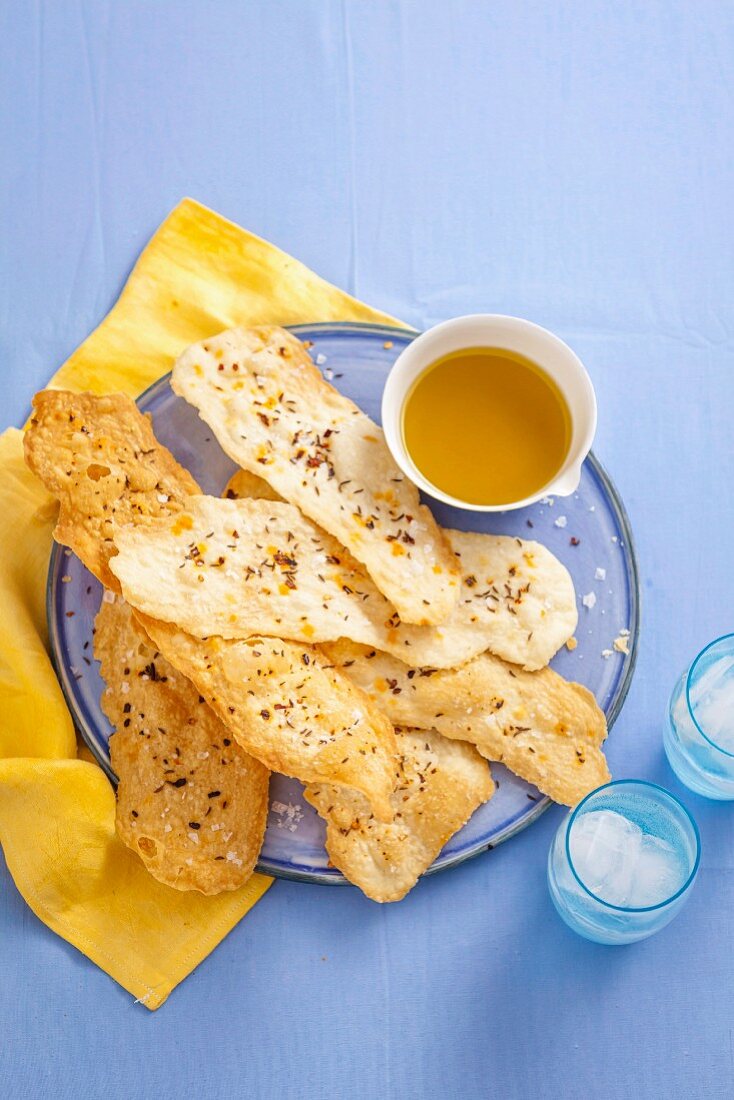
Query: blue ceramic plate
x=589 y=532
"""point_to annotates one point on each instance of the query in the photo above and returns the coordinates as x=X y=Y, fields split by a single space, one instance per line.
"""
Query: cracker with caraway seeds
x=288 y=706
x=543 y=728
x=274 y=414
x=439 y=785
x=100 y=459
x=237 y=567
x=512 y=563
x=190 y=801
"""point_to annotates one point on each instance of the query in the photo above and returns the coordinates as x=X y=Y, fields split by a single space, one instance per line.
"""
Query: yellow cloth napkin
x=198 y=275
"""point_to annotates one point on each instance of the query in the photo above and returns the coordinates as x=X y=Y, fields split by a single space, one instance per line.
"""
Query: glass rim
x=689 y=676
x=634 y=908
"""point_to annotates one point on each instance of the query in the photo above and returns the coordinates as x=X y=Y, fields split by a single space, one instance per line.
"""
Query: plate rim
x=335 y=879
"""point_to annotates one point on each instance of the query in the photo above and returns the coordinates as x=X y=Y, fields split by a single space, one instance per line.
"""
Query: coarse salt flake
x=560 y=522
x=321 y=359
x=600 y=574
x=107 y=596
x=589 y=600
x=288 y=815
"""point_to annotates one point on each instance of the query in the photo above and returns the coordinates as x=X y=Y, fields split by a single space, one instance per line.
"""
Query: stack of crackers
x=314 y=620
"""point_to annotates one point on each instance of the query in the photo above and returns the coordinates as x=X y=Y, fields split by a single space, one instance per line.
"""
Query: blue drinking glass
x=623 y=862
x=699 y=733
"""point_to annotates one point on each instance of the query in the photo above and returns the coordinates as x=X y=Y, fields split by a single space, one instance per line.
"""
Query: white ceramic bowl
x=493 y=330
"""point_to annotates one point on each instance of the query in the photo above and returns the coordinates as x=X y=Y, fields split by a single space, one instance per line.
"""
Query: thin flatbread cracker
x=190 y=802
x=289 y=707
x=100 y=458
x=239 y=567
x=243 y=484
x=440 y=783
x=543 y=728
x=275 y=416
x=522 y=628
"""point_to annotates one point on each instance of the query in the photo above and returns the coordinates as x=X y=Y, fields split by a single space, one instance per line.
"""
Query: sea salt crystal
x=600 y=574
x=107 y=596
x=328 y=374
x=167 y=828
x=288 y=815
x=321 y=359
x=232 y=858
x=124 y=687
x=203 y=755
x=560 y=522
x=163 y=498
x=193 y=837
x=606 y=654
x=589 y=600
x=547 y=500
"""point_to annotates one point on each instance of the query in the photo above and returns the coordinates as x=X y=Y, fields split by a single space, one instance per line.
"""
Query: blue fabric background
x=570 y=162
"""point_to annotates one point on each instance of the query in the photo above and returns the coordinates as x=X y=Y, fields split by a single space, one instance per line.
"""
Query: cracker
x=190 y=802
x=543 y=728
x=289 y=707
x=239 y=567
x=247 y=485
x=515 y=596
x=439 y=785
x=521 y=596
x=100 y=458
x=274 y=415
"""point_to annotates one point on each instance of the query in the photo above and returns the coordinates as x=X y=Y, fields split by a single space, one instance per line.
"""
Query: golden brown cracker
x=439 y=785
x=100 y=458
x=543 y=728
x=288 y=706
x=190 y=801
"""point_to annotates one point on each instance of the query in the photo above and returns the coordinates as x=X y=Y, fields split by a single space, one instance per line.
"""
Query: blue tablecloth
x=570 y=162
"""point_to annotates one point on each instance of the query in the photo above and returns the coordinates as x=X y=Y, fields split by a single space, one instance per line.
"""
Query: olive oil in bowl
x=486 y=426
